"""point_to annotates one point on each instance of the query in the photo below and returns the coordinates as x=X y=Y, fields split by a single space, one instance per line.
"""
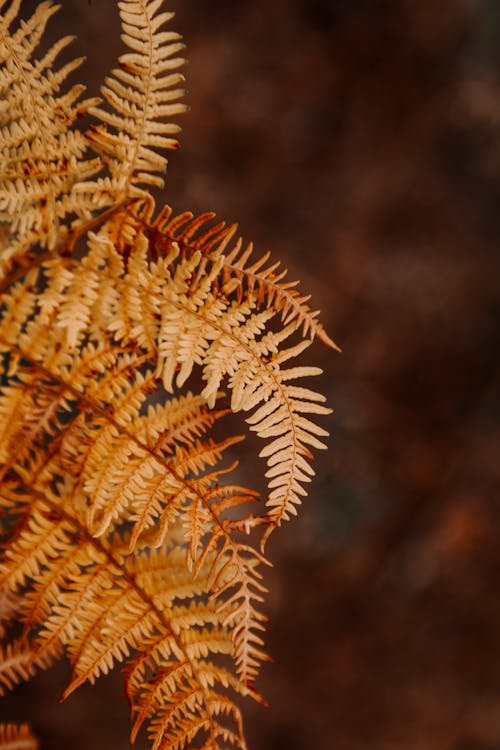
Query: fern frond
x=179 y=709
x=41 y=156
x=237 y=585
x=141 y=93
x=121 y=526
x=240 y=271
x=17 y=737
x=18 y=663
x=110 y=610
x=179 y=315
x=147 y=489
x=180 y=318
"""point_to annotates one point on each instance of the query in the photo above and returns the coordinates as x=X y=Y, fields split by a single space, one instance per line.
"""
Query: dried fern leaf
x=122 y=527
x=111 y=609
x=17 y=737
x=141 y=95
x=239 y=272
x=18 y=663
x=42 y=156
x=180 y=318
x=143 y=486
x=199 y=325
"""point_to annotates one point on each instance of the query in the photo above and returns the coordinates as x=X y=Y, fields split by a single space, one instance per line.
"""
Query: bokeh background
x=359 y=141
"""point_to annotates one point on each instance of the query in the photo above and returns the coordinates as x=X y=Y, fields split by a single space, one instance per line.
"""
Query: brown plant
x=123 y=539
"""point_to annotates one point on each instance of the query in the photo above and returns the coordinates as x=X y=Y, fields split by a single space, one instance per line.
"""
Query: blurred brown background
x=359 y=141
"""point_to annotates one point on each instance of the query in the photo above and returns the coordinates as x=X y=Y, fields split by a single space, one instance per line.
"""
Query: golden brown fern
x=16 y=737
x=42 y=155
x=141 y=93
x=124 y=539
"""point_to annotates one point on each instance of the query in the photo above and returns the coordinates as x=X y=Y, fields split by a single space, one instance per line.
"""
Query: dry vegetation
x=362 y=139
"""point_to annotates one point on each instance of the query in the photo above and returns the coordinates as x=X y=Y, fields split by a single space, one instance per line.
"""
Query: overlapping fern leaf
x=126 y=535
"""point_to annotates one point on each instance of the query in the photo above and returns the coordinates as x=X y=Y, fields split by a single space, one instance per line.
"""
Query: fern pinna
x=124 y=539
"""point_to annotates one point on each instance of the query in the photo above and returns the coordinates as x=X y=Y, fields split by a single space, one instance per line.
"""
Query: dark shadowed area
x=359 y=141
